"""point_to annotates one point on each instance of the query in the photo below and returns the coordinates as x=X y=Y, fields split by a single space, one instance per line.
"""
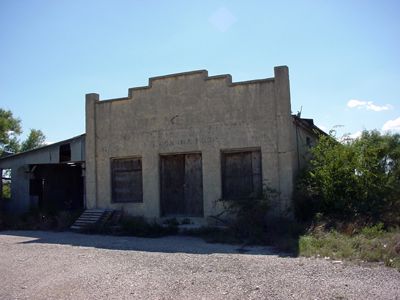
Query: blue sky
x=343 y=56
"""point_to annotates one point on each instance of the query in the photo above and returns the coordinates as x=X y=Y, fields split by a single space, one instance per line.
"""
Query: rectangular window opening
x=6 y=184
x=65 y=152
x=241 y=175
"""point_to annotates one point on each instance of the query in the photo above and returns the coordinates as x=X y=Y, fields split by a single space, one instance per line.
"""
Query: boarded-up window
x=126 y=177
x=241 y=175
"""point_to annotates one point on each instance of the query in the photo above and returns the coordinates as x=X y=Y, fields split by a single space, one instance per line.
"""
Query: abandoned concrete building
x=175 y=148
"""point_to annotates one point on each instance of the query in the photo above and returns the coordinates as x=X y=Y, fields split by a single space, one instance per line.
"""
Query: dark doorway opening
x=181 y=185
x=57 y=187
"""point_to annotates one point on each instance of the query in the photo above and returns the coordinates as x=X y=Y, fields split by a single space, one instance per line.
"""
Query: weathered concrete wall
x=305 y=137
x=190 y=112
x=20 y=163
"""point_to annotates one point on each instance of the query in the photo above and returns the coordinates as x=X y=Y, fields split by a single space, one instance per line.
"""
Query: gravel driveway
x=48 y=265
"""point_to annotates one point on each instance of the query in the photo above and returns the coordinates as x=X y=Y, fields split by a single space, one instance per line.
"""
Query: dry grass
x=371 y=244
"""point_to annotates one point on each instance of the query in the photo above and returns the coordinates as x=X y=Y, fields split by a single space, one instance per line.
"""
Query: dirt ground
x=50 y=265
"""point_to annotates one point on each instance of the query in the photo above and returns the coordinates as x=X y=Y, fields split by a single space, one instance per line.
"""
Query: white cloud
x=355 y=135
x=355 y=103
x=372 y=106
x=369 y=105
x=347 y=137
x=392 y=125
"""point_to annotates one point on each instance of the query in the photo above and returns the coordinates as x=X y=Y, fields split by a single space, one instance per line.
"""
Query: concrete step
x=81 y=223
x=89 y=217
x=93 y=214
x=96 y=216
x=95 y=210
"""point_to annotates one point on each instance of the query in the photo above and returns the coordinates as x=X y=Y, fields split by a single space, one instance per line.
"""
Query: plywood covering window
x=126 y=180
x=241 y=175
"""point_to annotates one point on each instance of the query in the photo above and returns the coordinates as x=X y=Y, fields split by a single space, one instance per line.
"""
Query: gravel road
x=49 y=265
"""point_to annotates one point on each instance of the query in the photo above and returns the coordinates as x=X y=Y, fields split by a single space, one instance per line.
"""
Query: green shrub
x=171 y=222
x=6 y=193
x=247 y=217
x=306 y=199
x=374 y=231
x=330 y=245
x=358 y=179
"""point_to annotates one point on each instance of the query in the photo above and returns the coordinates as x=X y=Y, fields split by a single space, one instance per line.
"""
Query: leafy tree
x=10 y=128
x=378 y=172
x=35 y=139
x=356 y=179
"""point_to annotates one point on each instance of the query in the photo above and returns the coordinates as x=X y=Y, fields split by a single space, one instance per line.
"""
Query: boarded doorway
x=181 y=185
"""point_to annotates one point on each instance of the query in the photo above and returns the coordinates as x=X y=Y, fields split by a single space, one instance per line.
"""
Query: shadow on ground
x=168 y=244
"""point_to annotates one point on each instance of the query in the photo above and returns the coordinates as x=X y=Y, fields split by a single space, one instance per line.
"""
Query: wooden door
x=193 y=188
x=181 y=185
x=172 y=184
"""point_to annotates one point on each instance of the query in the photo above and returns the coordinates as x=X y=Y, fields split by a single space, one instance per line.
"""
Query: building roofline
x=308 y=124
x=43 y=147
x=204 y=73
